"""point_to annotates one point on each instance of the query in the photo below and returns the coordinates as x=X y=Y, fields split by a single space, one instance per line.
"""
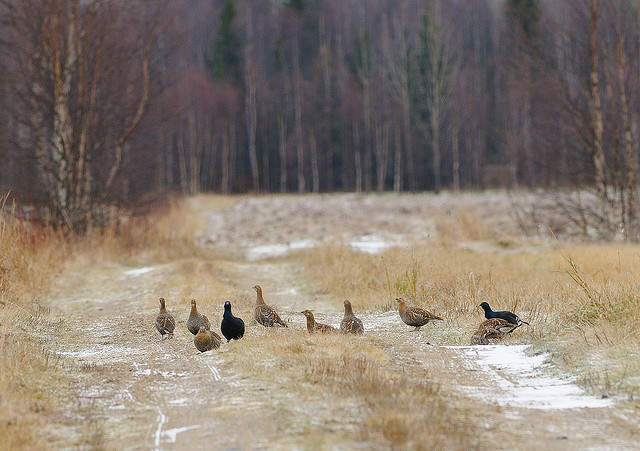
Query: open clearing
x=132 y=390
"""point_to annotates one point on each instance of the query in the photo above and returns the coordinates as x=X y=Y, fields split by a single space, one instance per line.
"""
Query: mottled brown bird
x=206 y=340
x=502 y=314
x=491 y=330
x=313 y=326
x=164 y=321
x=414 y=316
x=196 y=319
x=350 y=323
x=265 y=314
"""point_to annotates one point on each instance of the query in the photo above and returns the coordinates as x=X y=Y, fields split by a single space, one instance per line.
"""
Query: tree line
x=109 y=102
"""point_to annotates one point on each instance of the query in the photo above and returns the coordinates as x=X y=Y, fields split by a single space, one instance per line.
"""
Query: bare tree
x=432 y=99
x=81 y=78
x=396 y=51
x=595 y=103
x=629 y=185
x=250 y=104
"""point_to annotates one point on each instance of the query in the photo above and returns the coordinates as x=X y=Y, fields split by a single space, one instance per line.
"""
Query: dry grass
x=583 y=301
x=462 y=225
x=355 y=382
x=28 y=257
x=165 y=233
x=31 y=258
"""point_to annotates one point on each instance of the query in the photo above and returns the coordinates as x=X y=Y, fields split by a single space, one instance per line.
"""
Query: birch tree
x=82 y=84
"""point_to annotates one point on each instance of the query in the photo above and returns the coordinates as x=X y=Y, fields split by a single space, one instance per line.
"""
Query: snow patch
x=520 y=380
x=370 y=244
x=374 y=244
x=277 y=250
x=139 y=271
x=98 y=350
x=165 y=374
x=173 y=433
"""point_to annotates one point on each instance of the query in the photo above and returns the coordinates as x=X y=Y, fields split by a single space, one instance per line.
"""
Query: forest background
x=115 y=103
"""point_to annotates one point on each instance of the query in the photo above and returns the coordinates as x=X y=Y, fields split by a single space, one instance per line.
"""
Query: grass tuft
x=32 y=256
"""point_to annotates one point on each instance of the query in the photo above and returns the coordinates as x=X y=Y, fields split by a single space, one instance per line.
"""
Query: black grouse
x=503 y=314
x=231 y=326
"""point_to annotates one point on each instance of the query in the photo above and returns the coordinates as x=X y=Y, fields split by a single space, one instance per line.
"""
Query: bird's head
x=485 y=306
x=227 y=306
x=307 y=313
x=202 y=329
x=400 y=301
x=193 y=302
x=161 y=300
x=258 y=288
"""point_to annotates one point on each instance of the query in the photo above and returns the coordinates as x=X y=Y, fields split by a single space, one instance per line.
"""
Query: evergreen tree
x=525 y=17
x=225 y=57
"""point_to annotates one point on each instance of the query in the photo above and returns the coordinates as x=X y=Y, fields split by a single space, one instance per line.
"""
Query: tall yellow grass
x=583 y=301
x=31 y=257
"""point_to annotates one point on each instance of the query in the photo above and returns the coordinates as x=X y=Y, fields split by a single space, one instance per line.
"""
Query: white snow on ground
x=520 y=380
x=139 y=271
x=277 y=250
x=374 y=244
x=99 y=349
x=370 y=244
x=172 y=434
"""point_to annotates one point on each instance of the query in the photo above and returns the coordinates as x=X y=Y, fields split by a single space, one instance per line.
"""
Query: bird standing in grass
x=231 y=326
x=491 y=329
x=313 y=326
x=350 y=324
x=503 y=314
x=206 y=340
x=196 y=319
x=265 y=314
x=414 y=316
x=164 y=321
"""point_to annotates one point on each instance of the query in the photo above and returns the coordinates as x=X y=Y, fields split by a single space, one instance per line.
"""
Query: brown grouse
x=265 y=314
x=350 y=323
x=491 y=330
x=206 y=340
x=196 y=319
x=414 y=316
x=164 y=321
x=313 y=326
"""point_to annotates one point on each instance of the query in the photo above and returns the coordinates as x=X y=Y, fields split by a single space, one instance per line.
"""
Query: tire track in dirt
x=148 y=393
x=132 y=381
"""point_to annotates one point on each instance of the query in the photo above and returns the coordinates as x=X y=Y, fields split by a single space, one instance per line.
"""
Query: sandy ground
x=139 y=392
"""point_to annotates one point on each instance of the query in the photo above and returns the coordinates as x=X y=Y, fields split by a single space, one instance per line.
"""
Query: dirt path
x=138 y=392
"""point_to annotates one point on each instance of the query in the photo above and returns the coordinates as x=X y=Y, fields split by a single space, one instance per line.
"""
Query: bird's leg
x=514 y=328
x=416 y=329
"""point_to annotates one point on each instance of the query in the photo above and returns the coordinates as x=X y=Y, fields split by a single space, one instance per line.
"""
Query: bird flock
x=494 y=328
